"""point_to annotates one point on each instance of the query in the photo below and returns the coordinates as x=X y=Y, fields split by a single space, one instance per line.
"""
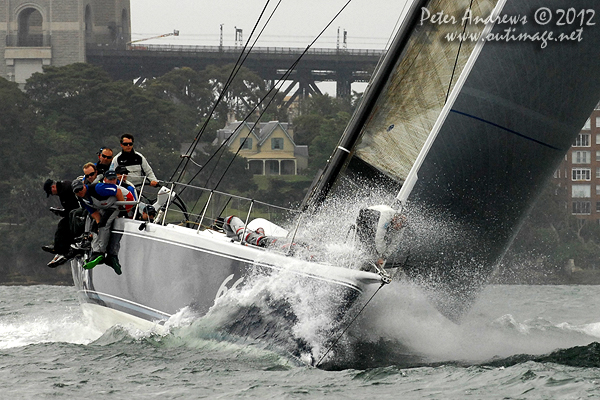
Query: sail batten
x=406 y=96
x=483 y=155
x=508 y=130
x=363 y=115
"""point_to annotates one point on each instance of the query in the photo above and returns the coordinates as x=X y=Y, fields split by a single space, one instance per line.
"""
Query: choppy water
x=518 y=342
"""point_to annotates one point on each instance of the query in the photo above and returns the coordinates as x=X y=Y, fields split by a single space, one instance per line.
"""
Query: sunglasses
x=78 y=190
x=126 y=143
x=107 y=157
x=90 y=174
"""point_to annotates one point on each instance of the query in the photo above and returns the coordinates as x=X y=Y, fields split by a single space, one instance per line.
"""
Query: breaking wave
x=398 y=328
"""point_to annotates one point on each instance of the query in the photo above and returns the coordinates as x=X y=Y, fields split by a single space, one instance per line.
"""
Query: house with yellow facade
x=268 y=146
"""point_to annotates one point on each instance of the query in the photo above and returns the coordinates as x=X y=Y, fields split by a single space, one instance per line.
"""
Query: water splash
x=42 y=314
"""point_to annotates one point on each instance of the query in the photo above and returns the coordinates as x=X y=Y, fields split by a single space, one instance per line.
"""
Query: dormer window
x=277 y=144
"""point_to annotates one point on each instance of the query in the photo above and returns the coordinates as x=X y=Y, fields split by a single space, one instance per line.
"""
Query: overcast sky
x=296 y=23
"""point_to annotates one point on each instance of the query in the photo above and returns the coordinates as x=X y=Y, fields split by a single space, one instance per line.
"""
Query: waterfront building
x=269 y=147
x=579 y=173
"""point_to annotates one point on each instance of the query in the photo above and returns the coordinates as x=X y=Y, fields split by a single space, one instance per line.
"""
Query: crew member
x=135 y=162
x=111 y=177
x=105 y=156
x=63 y=237
x=123 y=181
x=380 y=230
x=234 y=228
x=99 y=200
x=90 y=174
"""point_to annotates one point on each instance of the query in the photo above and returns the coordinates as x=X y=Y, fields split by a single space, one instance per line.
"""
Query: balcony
x=28 y=40
x=20 y=47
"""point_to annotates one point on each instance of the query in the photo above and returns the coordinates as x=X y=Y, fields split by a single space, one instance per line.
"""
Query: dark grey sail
x=490 y=147
x=404 y=99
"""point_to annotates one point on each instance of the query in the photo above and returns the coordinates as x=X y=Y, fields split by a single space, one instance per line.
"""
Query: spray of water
x=403 y=316
x=54 y=325
x=401 y=324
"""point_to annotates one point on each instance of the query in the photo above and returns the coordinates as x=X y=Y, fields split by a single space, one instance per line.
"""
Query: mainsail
x=405 y=96
x=502 y=112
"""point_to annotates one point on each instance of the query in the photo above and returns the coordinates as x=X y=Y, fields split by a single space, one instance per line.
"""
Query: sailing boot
x=49 y=248
x=95 y=259
x=57 y=260
x=113 y=262
x=82 y=244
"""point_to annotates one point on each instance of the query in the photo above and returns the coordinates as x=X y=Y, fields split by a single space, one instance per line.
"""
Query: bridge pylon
x=58 y=32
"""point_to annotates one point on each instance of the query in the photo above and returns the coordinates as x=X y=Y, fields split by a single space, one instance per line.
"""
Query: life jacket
x=100 y=196
x=128 y=196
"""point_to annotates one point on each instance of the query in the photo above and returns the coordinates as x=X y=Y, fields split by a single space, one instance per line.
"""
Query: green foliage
x=328 y=137
x=57 y=86
x=26 y=225
x=584 y=254
x=283 y=192
x=307 y=127
x=163 y=160
x=221 y=171
x=82 y=106
x=320 y=126
x=190 y=92
x=552 y=235
x=325 y=106
x=17 y=132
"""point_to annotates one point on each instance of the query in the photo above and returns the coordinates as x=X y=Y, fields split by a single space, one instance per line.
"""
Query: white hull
x=166 y=268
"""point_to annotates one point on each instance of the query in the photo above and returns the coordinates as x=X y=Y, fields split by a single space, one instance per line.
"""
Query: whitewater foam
x=24 y=330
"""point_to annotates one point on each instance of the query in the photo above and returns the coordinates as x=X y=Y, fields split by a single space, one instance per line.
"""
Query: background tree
x=191 y=92
x=320 y=125
x=549 y=237
x=83 y=110
x=67 y=113
x=244 y=92
x=20 y=147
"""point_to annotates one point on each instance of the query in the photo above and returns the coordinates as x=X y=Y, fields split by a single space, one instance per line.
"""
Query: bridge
x=271 y=63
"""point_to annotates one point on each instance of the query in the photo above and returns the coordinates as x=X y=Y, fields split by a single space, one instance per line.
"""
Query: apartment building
x=580 y=171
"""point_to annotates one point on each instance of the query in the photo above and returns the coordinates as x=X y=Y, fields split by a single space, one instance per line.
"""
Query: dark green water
x=518 y=342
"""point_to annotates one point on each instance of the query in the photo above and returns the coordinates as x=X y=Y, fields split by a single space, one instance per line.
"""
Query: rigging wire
x=279 y=84
x=218 y=101
x=218 y=151
x=258 y=103
x=456 y=59
x=241 y=58
x=348 y=326
x=401 y=17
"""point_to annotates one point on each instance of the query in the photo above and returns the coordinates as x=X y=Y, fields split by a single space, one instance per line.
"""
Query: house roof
x=232 y=131
x=301 y=150
x=261 y=131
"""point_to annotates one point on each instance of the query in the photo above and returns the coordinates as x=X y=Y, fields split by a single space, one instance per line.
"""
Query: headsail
x=504 y=132
x=405 y=97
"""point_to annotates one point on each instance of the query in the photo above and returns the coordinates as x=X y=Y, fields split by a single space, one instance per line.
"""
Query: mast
x=351 y=134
